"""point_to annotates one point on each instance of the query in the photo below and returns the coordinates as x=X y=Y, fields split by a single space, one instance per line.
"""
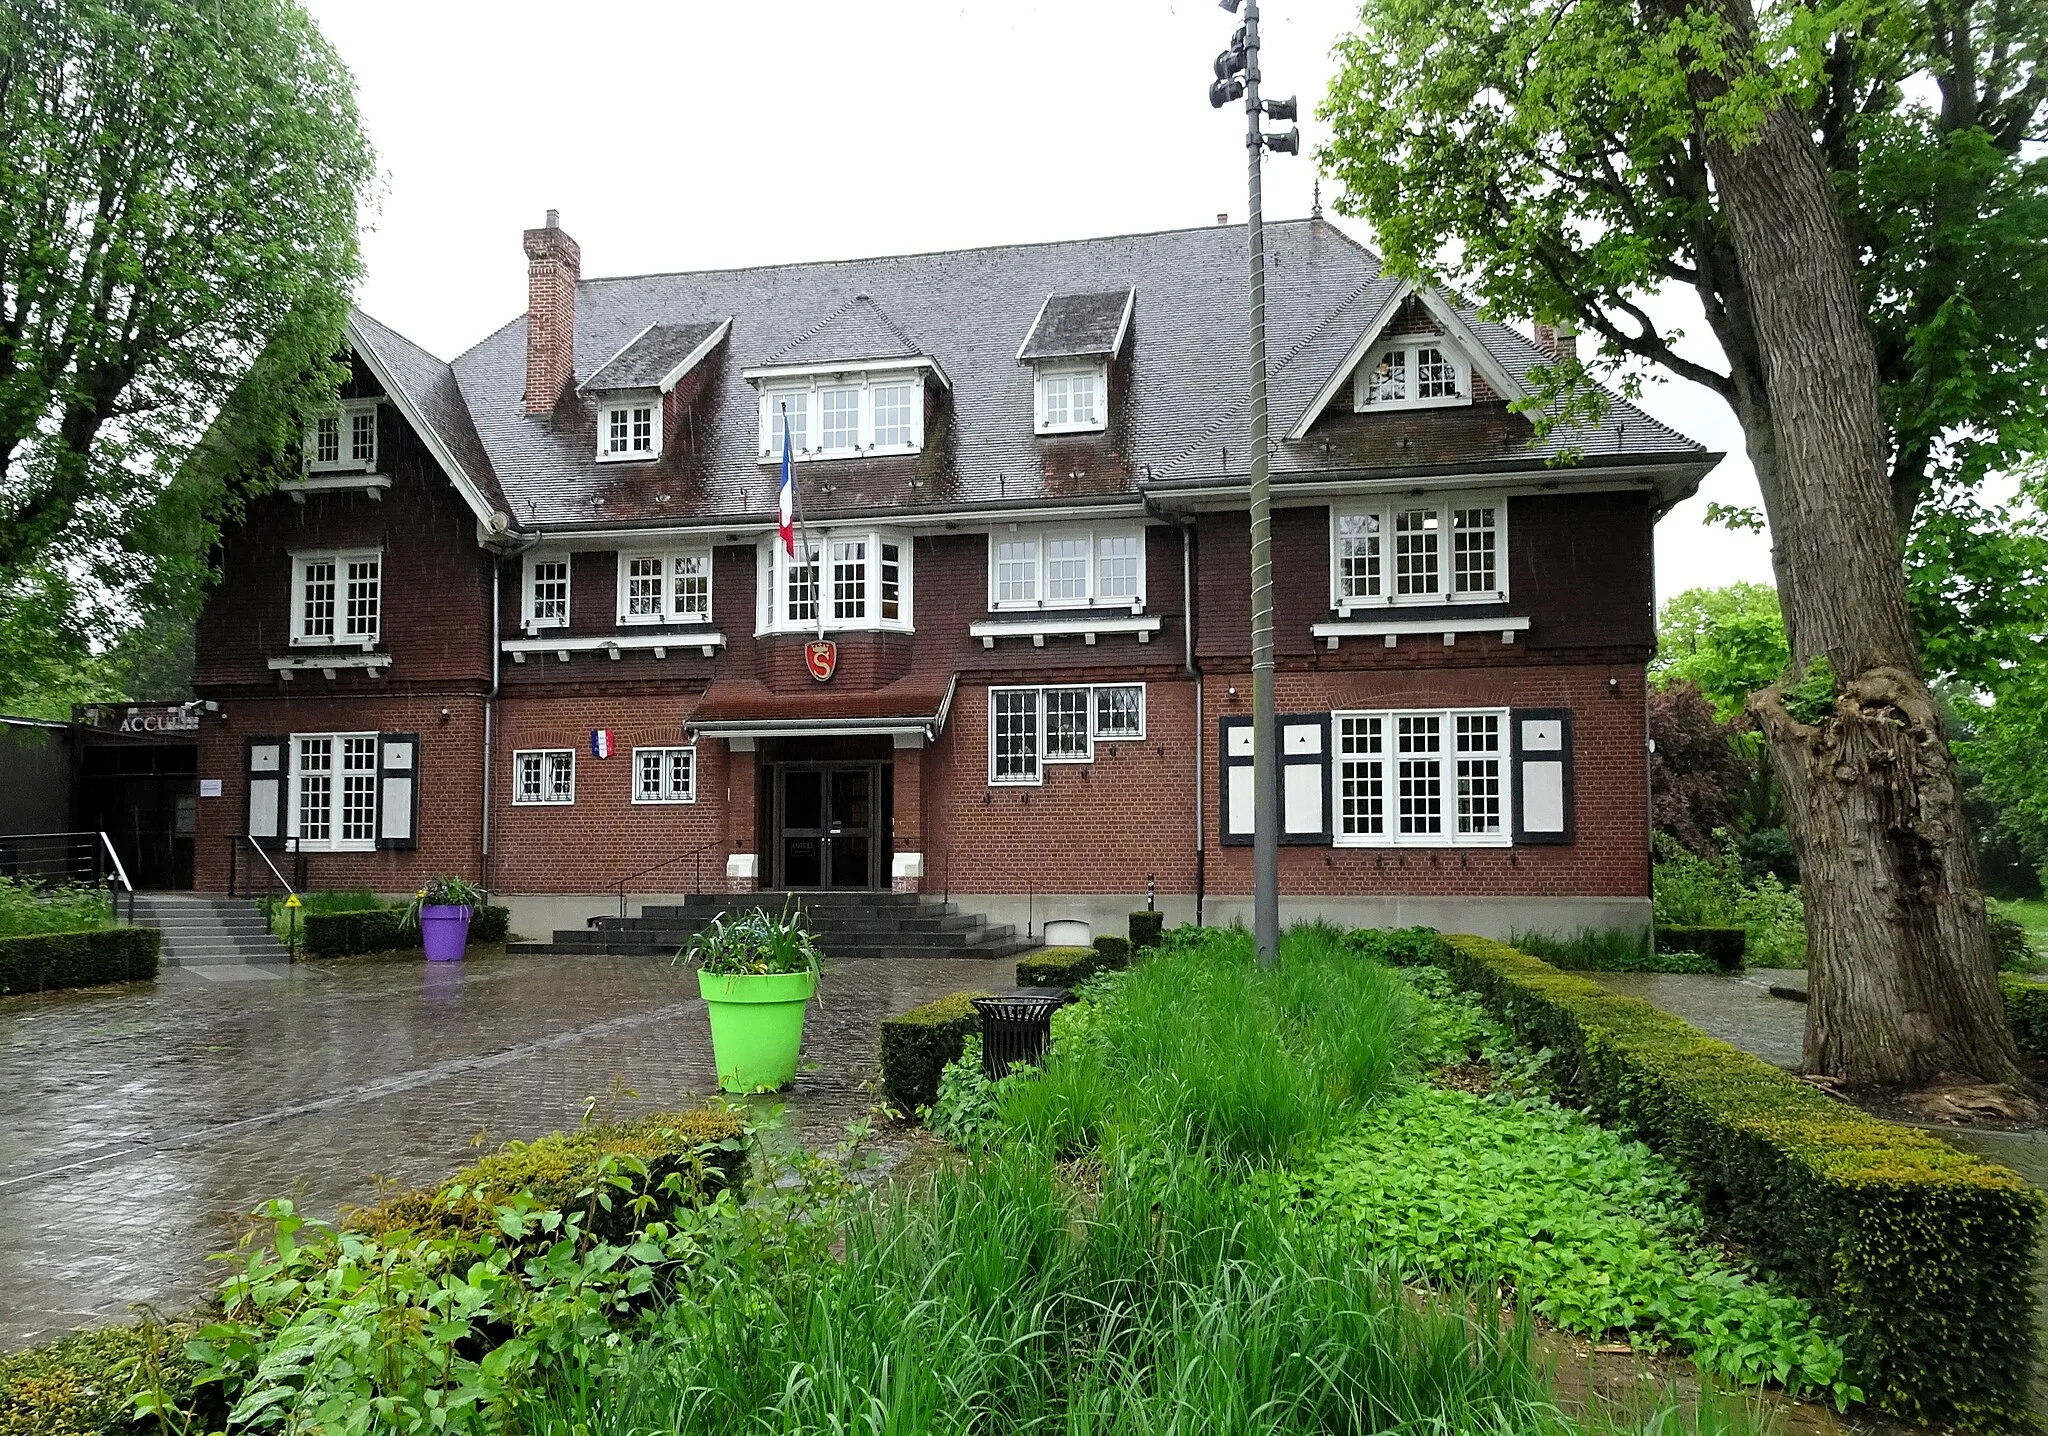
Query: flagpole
x=796 y=498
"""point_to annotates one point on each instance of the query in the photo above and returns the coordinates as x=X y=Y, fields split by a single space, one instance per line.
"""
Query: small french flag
x=600 y=742
x=785 y=503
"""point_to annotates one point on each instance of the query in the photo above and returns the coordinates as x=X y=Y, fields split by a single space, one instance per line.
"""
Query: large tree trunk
x=1904 y=987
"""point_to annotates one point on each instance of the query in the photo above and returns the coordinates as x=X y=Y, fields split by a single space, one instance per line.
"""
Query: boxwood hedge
x=2026 y=1009
x=1917 y=1256
x=1725 y=945
x=917 y=1046
x=42 y=961
x=1147 y=927
x=85 y=1384
x=383 y=929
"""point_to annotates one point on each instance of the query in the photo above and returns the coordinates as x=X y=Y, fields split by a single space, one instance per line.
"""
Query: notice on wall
x=209 y=787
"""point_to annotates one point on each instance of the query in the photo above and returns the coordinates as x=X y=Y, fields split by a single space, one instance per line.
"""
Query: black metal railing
x=83 y=859
x=696 y=885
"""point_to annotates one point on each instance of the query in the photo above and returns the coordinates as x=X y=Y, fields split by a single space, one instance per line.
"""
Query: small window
x=1070 y=400
x=1479 y=774
x=645 y=578
x=1119 y=711
x=1472 y=550
x=892 y=582
x=1361 y=776
x=1017 y=571
x=547 y=593
x=894 y=423
x=1358 y=556
x=1069 y=726
x=1429 y=552
x=690 y=592
x=334 y=791
x=789 y=412
x=1119 y=567
x=343 y=440
x=802 y=585
x=1015 y=741
x=665 y=587
x=1415 y=551
x=545 y=776
x=664 y=775
x=1420 y=374
x=337 y=598
x=839 y=420
x=629 y=431
x=850 y=580
x=1419 y=774
x=1067 y=568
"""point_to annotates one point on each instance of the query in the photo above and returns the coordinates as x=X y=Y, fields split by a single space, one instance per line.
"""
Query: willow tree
x=178 y=203
x=1846 y=190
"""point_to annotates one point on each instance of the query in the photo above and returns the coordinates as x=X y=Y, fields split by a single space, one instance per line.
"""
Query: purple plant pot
x=444 y=932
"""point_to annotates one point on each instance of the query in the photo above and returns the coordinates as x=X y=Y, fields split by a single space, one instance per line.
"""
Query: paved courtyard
x=139 y=1125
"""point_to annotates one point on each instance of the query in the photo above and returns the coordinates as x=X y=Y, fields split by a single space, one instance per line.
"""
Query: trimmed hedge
x=84 y=1384
x=704 y=1149
x=1147 y=928
x=2026 y=1009
x=383 y=929
x=917 y=1046
x=1114 y=951
x=46 y=961
x=1725 y=945
x=1072 y=966
x=1919 y=1257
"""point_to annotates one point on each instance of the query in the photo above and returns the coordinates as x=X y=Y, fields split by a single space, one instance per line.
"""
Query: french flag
x=785 y=503
x=600 y=742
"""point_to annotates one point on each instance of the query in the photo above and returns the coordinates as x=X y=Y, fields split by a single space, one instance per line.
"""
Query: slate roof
x=647 y=359
x=1179 y=392
x=430 y=385
x=1076 y=326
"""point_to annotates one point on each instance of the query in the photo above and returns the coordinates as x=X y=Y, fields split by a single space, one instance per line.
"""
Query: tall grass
x=27 y=907
x=1199 y=1050
x=1591 y=949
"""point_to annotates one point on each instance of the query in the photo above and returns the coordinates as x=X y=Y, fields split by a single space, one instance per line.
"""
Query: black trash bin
x=1017 y=1027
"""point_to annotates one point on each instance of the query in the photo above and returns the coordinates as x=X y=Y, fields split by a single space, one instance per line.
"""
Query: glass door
x=850 y=840
x=825 y=825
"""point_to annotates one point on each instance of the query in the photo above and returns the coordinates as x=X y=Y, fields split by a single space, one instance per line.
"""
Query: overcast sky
x=695 y=136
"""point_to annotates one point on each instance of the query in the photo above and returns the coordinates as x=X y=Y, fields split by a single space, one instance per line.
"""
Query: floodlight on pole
x=1237 y=73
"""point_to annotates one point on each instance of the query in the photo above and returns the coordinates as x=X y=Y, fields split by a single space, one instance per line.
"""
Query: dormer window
x=843 y=415
x=1072 y=398
x=343 y=440
x=1422 y=373
x=629 y=429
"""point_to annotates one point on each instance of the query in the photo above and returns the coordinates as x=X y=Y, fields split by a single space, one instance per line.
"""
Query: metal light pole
x=1237 y=72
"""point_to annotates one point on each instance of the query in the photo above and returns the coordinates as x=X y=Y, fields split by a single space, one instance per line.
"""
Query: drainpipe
x=1187 y=623
x=498 y=562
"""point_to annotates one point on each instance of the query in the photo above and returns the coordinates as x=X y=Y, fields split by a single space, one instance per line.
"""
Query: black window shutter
x=1544 y=801
x=1234 y=781
x=267 y=770
x=1303 y=744
x=398 y=790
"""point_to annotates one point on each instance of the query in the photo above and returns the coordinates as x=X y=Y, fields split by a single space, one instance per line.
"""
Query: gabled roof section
x=857 y=329
x=658 y=357
x=1079 y=326
x=425 y=392
x=1455 y=326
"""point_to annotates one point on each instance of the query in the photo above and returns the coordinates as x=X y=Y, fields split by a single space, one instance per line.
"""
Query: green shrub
x=2010 y=943
x=1396 y=947
x=384 y=929
x=43 y=961
x=490 y=923
x=1918 y=1256
x=2026 y=1009
x=1062 y=966
x=917 y=1046
x=29 y=907
x=602 y=1172
x=1723 y=946
x=85 y=1384
x=1147 y=928
x=1688 y=890
x=1114 y=951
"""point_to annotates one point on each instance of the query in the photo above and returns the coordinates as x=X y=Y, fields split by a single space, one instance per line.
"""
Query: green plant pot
x=757 y=1026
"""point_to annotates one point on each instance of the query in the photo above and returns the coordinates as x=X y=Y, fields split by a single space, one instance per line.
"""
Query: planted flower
x=441 y=911
x=757 y=974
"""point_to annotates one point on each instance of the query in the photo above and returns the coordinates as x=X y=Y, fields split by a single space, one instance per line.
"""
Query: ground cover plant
x=27 y=907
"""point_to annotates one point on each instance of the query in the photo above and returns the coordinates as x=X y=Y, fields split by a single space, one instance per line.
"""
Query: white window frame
x=1067 y=691
x=1408 y=347
x=341 y=637
x=1450 y=780
x=546 y=799
x=666 y=756
x=529 y=584
x=1445 y=506
x=346 y=460
x=771 y=595
x=1043 y=423
x=807 y=391
x=1041 y=749
x=337 y=786
x=666 y=613
x=606 y=454
x=1045 y=537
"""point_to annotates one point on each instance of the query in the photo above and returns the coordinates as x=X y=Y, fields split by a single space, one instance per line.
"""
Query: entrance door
x=825 y=820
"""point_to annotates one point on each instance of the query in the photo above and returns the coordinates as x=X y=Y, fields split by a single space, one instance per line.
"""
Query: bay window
x=860 y=579
x=669 y=586
x=1418 y=551
x=1053 y=568
x=337 y=598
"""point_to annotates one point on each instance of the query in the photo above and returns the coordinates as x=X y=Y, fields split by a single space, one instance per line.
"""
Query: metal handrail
x=697 y=886
x=81 y=849
x=119 y=872
x=258 y=847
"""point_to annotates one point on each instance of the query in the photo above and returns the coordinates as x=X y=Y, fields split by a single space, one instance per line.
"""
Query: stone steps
x=849 y=925
x=209 y=932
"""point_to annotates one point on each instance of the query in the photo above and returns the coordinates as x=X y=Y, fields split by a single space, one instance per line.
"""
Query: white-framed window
x=665 y=775
x=1425 y=778
x=665 y=586
x=338 y=598
x=1429 y=550
x=629 y=429
x=343 y=439
x=546 y=776
x=861 y=577
x=1423 y=372
x=1051 y=568
x=1071 y=398
x=546 y=602
x=334 y=792
x=1030 y=728
x=843 y=416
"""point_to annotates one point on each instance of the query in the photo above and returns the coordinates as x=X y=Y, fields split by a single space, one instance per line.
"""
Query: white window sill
x=1446 y=840
x=816 y=456
x=1066 y=625
x=372 y=663
x=543 y=802
x=1375 y=406
x=641 y=457
x=331 y=482
x=658 y=620
x=344 y=645
x=1391 y=631
x=810 y=630
x=613 y=645
x=1059 y=431
x=663 y=802
x=330 y=847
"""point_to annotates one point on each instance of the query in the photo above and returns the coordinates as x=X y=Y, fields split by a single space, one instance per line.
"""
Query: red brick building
x=526 y=617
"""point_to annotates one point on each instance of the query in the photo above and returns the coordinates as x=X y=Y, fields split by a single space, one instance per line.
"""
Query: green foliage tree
x=178 y=201
x=1847 y=191
x=1728 y=641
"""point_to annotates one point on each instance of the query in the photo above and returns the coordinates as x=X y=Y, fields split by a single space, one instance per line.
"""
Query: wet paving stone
x=139 y=1125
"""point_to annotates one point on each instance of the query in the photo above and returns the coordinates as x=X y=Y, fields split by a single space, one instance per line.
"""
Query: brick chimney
x=1546 y=338
x=553 y=264
x=1559 y=341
